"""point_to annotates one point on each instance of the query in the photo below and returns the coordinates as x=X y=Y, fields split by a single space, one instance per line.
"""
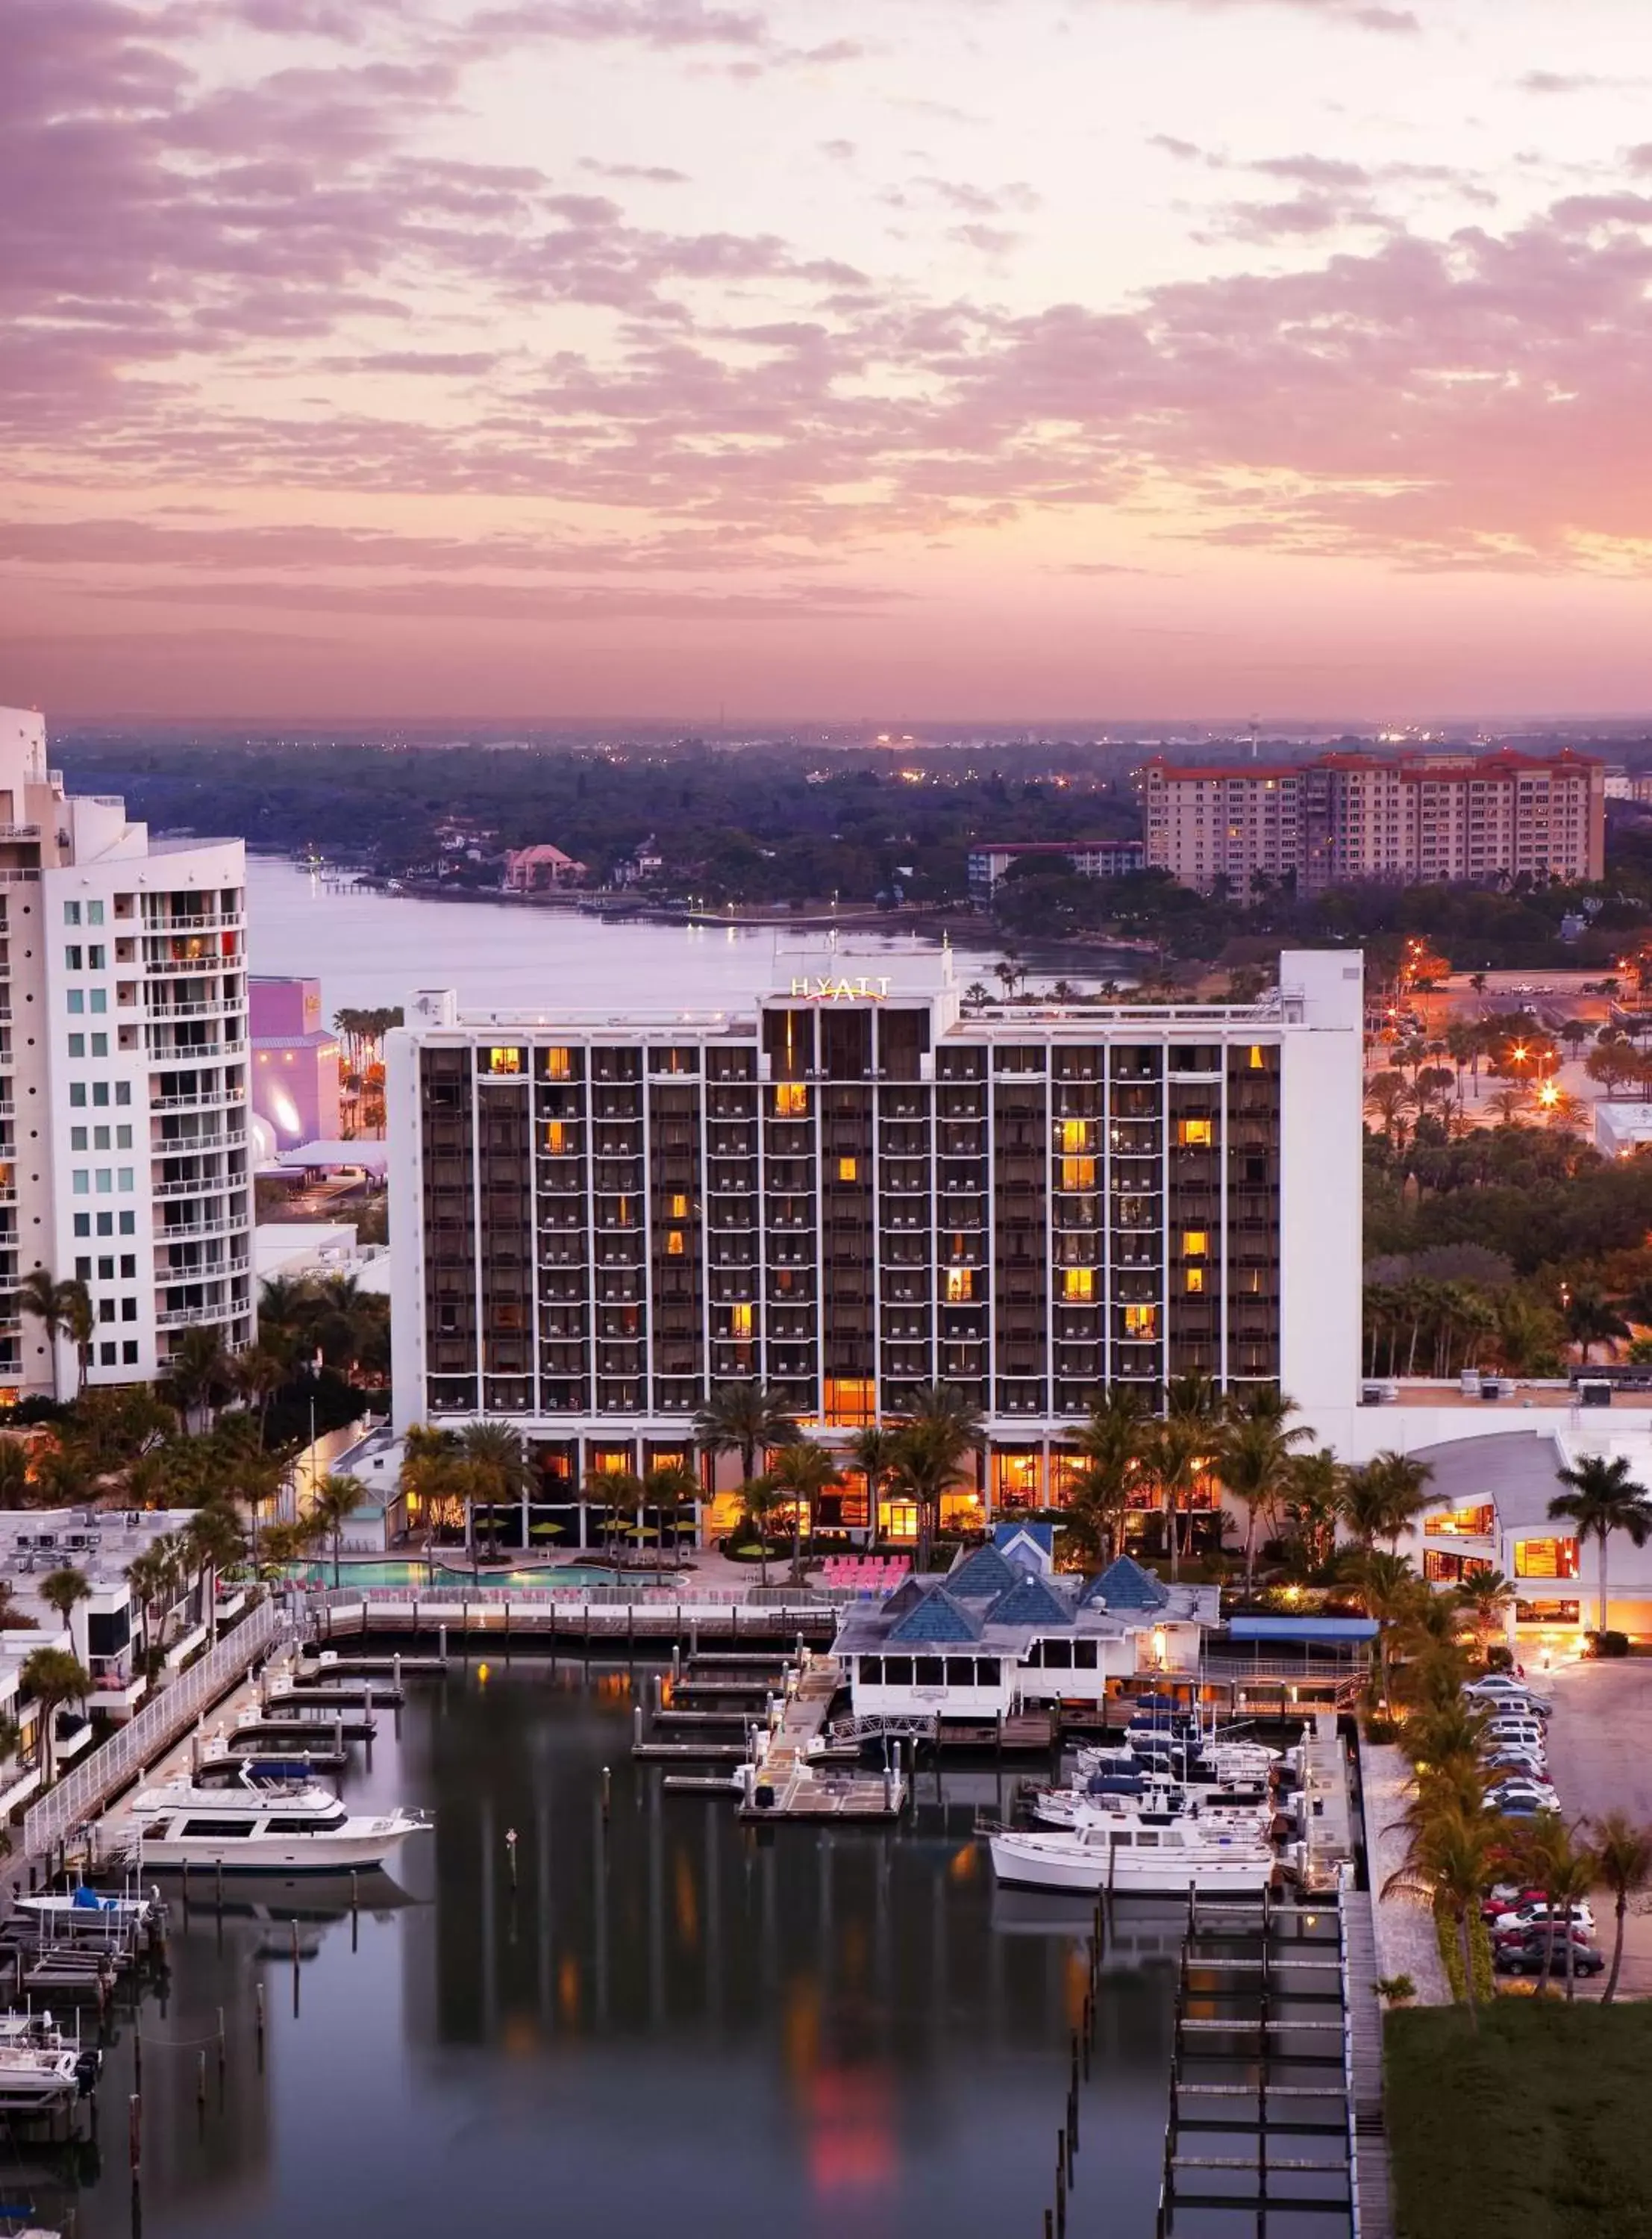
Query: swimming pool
x=448 y=1581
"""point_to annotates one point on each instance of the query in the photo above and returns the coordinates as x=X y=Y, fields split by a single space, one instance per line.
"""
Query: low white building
x=1621 y=1128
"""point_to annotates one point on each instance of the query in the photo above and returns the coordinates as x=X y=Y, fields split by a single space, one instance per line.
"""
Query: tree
x=1314 y=1495
x=1592 y=1319
x=1449 y=1861
x=1548 y=1856
x=1110 y=1446
x=14 y=1473
x=63 y=1310
x=51 y=1677
x=763 y=1501
x=1487 y=1597
x=1602 y=1498
x=501 y=1471
x=64 y=1589
x=939 y=1432
x=216 y=1544
x=1389 y=1587
x=1383 y=1496
x=200 y=1374
x=668 y=1490
x=1253 y=1461
x=743 y=1418
x=335 y=1501
x=875 y=1453
x=1390 y=1095
x=802 y=1472
x=1624 y=1861
x=616 y=1493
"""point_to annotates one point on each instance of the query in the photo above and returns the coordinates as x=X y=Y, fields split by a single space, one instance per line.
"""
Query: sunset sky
x=974 y=359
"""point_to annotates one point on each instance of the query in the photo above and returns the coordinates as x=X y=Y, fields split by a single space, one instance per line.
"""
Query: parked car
x=1508 y=1897
x=1498 y=1687
x=1522 y=1795
x=1517 y=1767
x=1534 y=1913
x=1518 y=1733
x=1526 y=1955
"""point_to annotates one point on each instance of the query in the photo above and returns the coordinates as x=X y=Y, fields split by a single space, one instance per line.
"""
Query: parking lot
x=1600 y=1759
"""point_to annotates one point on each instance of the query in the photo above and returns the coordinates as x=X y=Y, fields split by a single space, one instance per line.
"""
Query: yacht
x=1133 y=1855
x=249 y=1825
x=1154 y=1797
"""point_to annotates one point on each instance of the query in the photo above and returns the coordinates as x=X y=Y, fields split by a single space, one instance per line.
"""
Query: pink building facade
x=295 y=1061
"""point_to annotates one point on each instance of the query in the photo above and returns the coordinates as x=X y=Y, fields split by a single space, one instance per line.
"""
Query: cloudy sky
x=971 y=358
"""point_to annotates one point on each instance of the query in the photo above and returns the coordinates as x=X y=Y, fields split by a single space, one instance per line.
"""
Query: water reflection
x=661 y=2016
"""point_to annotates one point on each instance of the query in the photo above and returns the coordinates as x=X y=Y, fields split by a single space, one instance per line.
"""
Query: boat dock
x=787 y=1781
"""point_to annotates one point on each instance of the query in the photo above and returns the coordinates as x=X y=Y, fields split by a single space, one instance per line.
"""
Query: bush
x=1608 y=1643
x=1500 y=1658
x=1451 y=1942
x=1379 y=1728
x=1397 y=1989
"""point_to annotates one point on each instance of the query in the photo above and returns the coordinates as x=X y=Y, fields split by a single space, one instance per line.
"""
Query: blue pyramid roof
x=1124 y=1585
x=937 y=1619
x=1042 y=1536
x=981 y=1575
x=1029 y=1601
x=906 y=1595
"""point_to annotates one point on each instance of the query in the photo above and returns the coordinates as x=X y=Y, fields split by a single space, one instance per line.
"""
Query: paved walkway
x=1406 y=1943
x=1600 y=1759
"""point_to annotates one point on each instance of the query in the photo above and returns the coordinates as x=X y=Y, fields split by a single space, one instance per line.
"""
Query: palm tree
x=668 y=1490
x=61 y=1478
x=335 y=1501
x=1389 y=1587
x=1314 y=1494
x=1449 y=1861
x=63 y=1590
x=63 y=1310
x=51 y=1677
x=616 y=1492
x=1548 y=1856
x=875 y=1453
x=1253 y=1461
x=502 y=1468
x=1383 y=1496
x=1109 y=1446
x=803 y=1472
x=199 y=1373
x=744 y=1418
x=1623 y=1860
x=1172 y=1452
x=1592 y=1319
x=764 y=1500
x=940 y=1430
x=1487 y=1596
x=216 y=1544
x=260 y=1374
x=1602 y=1498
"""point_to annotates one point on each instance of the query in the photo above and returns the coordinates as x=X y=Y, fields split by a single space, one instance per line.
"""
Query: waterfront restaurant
x=1003 y=1630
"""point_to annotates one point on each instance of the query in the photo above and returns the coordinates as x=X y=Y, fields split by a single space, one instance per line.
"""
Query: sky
x=756 y=360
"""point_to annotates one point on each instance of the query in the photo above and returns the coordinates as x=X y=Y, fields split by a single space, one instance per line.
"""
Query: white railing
x=79 y=1795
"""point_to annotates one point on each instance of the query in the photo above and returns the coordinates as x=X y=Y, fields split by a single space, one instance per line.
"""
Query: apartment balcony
x=159 y=921
x=199 y=1317
x=176 y=967
x=204 y=1100
x=214 y=1225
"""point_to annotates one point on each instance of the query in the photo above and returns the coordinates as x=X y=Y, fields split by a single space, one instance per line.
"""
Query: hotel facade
x=123 y=1076
x=846 y=1193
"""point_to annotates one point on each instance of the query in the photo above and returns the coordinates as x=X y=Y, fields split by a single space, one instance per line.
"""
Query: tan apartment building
x=1344 y=817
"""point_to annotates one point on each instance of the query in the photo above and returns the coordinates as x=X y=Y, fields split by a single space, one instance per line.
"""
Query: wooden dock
x=791 y=1774
x=586 y=1625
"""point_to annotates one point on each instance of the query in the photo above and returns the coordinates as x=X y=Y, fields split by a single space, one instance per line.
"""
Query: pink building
x=528 y=869
x=295 y=1061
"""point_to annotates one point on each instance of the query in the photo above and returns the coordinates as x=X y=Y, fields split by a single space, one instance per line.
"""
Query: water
x=369 y=949
x=674 y=2025
x=419 y=1574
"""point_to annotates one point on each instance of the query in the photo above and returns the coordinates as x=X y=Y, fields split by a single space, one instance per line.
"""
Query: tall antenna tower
x=1255 y=747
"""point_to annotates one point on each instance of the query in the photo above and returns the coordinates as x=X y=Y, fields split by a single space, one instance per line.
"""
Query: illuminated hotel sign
x=841 y=991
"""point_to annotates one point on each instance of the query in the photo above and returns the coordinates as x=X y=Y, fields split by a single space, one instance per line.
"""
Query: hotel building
x=847 y=1192
x=1344 y=817
x=122 y=1075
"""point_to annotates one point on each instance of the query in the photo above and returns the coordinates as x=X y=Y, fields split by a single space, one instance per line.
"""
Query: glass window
x=555 y=1135
x=1196 y=1135
x=106 y=1180
x=77 y=1002
x=100 y=1092
x=1077 y=1173
x=1194 y=1281
x=123 y=1092
x=847 y=1170
x=106 y=1224
x=1141 y=1321
x=100 y=999
x=961 y=1286
x=77 y=1094
x=128 y=1267
x=124 y=1136
x=123 y=1180
x=740 y=1320
x=791 y=1099
x=674 y=1244
x=129 y=1223
x=503 y=1063
x=78 y=1139
x=71 y=912
x=94 y=913
x=679 y=1208
x=100 y=1138
x=81 y=1182
x=82 y=1224
x=128 y=1352
x=1195 y=1243
x=100 y=1045
x=106 y=1267
x=77 y=1045
x=106 y=1354
x=129 y=1310
x=1078 y=1283
x=556 y=1064
x=1546 y=1558
x=72 y=956
x=96 y=957
x=83 y=1269
x=1075 y=1135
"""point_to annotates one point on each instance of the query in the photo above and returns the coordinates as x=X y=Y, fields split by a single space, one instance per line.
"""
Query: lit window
x=557 y=1065
x=739 y=1321
x=1078 y=1283
x=1194 y=1281
x=961 y=1286
x=504 y=1061
x=1075 y=1135
x=555 y=1137
x=674 y=1244
x=679 y=1208
x=1255 y=1056
x=1196 y=1135
x=851 y=1401
x=1077 y=1173
x=846 y=1170
x=1545 y=1558
x=791 y=1100
x=1141 y=1321
x=1196 y=1244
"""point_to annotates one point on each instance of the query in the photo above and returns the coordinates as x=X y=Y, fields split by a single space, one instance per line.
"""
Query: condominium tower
x=848 y=1192
x=1344 y=817
x=122 y=1075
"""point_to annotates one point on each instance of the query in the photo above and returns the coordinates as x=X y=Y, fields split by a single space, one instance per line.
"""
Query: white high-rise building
x=122 y=1075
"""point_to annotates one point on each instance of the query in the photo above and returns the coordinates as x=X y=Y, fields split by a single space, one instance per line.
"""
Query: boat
x=1132 y=1857
x=1155 y=1797
x=40 y=2068
x=245 y=1824
x=87 y=1912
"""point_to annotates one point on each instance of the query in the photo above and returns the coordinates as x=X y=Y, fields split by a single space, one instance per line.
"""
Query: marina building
x=1344 y=817
x=848 y=1193
x=1088 y=858
x=123 y=1076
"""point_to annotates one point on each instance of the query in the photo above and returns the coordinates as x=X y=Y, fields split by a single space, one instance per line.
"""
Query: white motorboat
x=1235 y=1765
x=40 y=2068
x=249 y=1825
x=72 y=1914
x=1132 y=1857
x=1155 y=1797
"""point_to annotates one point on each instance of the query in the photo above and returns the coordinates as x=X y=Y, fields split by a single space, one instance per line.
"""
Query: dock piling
x=259 y=2024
